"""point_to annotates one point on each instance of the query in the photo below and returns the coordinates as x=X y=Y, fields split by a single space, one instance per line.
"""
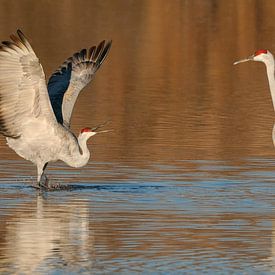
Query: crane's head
x=264 y=56
x=87 y=132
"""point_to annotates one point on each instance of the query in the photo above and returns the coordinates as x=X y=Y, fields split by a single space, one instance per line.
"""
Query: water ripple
x=214 y=216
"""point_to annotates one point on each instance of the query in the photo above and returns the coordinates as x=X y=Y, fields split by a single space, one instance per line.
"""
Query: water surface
x=185 y=182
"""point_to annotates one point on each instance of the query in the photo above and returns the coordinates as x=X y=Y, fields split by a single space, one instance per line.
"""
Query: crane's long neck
x=271 y=79
x=85 y=153
x=79 y=153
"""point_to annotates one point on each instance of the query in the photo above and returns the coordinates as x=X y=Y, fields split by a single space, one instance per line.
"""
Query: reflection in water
x=192 y=215
x=41 y=232
x=272 y=257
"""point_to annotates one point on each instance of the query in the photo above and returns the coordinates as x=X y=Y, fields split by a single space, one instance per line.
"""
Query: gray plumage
x=27 y=119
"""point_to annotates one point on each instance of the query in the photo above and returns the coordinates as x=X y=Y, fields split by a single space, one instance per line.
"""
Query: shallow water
x=185 y=181
x=195 y=216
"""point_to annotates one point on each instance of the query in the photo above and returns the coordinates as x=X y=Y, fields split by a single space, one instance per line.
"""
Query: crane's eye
x=260 y=52
x=87 y=129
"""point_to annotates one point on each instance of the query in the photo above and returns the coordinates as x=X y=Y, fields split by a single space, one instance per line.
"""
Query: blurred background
x=168 y=84
x=185 y=181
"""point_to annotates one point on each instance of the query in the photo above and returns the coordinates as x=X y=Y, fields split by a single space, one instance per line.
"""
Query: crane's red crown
x=260 y=52
x=87 y=129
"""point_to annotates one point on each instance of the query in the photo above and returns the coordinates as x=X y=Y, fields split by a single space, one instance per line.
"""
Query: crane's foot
x=45 y=185
x=40 y=186
x=52 y=187
x=36 y=186
x=44 y=182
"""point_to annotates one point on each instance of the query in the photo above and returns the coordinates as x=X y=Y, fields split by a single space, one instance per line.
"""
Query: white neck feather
x=79 y=152
x=271 y=79
x=85 y=156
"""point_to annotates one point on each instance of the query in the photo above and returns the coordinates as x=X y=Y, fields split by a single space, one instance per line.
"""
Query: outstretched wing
x=23 y=90
x=74 y=74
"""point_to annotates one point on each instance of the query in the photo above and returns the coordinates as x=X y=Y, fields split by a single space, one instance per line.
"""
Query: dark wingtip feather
x=105 y=51
x=14 y=38
x=90 y=52
x=24 y=40
x=76 y=55
x=98 y=51
x=17 y=41
x=83 y=54
x=8 y=43
x=21 y=35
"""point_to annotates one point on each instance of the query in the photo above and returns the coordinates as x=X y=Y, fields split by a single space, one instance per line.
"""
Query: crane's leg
x=42 y=181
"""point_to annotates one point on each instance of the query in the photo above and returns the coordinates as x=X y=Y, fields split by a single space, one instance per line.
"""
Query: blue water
x=190 y=217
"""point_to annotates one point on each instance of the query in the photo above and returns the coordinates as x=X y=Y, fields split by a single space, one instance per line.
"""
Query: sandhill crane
x=267 y=58
x=35 y=117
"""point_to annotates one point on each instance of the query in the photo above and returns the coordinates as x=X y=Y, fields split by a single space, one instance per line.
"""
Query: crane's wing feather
x=73 y=75
x=23 y=91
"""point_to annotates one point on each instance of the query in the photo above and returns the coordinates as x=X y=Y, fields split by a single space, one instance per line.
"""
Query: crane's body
x=34 y=118
x=43 y=142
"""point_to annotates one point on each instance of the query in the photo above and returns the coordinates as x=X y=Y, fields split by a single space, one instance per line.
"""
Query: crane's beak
x=250 y=58
x=103 y=131
x=95 y=129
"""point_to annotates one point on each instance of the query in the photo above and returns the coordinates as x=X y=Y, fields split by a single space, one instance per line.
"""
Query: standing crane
x=35 y=117
x=267 y=58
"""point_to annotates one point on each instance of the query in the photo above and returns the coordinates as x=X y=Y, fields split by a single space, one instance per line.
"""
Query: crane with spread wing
x=35 y=117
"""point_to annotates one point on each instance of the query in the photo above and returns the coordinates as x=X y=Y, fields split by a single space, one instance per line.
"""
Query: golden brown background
x=168 y=85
